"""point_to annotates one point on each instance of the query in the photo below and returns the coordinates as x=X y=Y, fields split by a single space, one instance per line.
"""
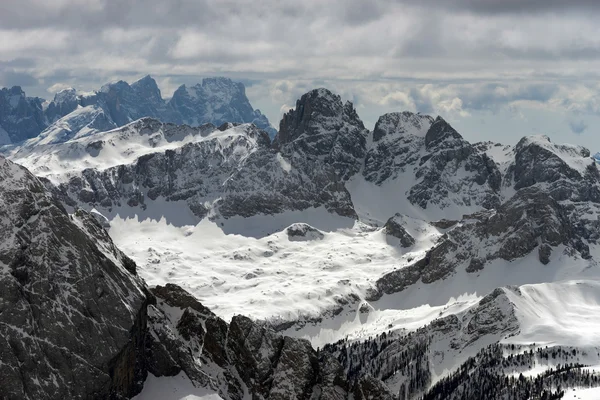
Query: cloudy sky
x=497 y=69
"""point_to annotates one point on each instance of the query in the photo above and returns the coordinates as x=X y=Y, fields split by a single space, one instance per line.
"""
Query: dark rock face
x=322 y=127
x=21 y=117
x=529 y=219
x=394 y=227
x=72 y=311
x=538 y=161
x=449 y=170
x=248 y=176
x=448 y=155
x=241 y=357
x=398 y=140
x=393 y=125
x=64 y=103
x=125 y=103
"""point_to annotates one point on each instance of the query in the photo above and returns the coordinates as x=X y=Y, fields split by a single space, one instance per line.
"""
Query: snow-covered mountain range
x=418 y=264
x=72 y=114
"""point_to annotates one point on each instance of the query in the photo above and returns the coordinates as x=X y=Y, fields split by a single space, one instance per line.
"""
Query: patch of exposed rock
x=393 y=227
x=302 y=232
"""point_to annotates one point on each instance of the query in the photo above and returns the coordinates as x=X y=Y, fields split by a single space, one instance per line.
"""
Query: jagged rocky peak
x=217 y=100
x=72 y=320
x=449 y=171
x=322 y=126
x=65 y=101
x=441 y=135
x=392 y=125
x=316 y=111
x=538 y=160
x=147 y=88
x=126 y=103
x=21 y=117
x=65 y=95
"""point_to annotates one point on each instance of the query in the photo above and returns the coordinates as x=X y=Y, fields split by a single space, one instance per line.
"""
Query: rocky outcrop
x=72 y=310
x=530 y=219
x=241 y=357
x=322 y=127
x=303 y=232
x=394 y=227
x=369 y=388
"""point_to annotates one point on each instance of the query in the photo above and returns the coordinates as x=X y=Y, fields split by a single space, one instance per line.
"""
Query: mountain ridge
x=120 y=102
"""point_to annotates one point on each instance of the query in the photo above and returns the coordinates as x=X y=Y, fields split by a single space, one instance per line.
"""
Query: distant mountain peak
x=401 y=123
x=214 y=100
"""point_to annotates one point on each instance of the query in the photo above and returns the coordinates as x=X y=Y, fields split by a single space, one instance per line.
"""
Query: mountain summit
x=215 y=100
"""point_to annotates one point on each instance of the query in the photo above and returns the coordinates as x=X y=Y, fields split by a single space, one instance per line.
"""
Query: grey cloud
x=360 y=11
x=10 y=78
x=507 y=6
x=490 y=96
x=578 y=126
x=423 y=103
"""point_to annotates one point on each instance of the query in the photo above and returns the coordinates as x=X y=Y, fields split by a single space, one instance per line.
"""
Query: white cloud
x=57 y=87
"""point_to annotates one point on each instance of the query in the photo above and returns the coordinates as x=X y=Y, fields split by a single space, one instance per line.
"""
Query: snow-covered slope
x=81 y=122
x=48 y=156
